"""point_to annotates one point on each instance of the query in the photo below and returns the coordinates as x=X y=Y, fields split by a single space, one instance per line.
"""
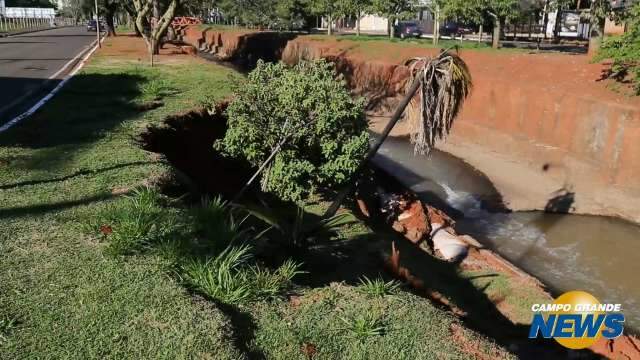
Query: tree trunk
x=110 y=10
x=131 y=19
x=596 y=34
x=436 y=27
x=480 y=30
x=348 y=184
x=329 y=21
x=496 y=34
x=359 y=14
x=390 y=27
x=545 y=18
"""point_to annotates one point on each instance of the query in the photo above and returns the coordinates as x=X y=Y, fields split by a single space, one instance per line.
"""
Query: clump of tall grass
x=132 y=225
x=156 y=89
x=215 y=257
x=364 y=325
x=230 y=278
x=215 y=221
x=7 y=324
x=378 y=287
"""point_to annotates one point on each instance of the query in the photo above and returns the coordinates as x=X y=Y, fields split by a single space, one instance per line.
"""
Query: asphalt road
x=30 y=64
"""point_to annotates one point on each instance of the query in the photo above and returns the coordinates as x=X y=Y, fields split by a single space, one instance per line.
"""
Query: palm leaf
x=446 y=82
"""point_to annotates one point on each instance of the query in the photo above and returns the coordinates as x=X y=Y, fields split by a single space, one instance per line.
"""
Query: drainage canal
x=566 y=252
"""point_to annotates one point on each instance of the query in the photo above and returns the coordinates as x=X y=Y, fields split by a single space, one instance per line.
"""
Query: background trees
x=393 y=10
x=624 y=50
x=477 y=11
x=327 y=8
x=354 y=8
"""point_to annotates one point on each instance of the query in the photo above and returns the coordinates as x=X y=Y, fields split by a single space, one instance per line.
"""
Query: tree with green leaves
x=393 y=10
x=624 y=50
x=355 y=8
x=326 y=8
x=497 y=11
x=153 y=18
x=299 y=125
x=436 y=7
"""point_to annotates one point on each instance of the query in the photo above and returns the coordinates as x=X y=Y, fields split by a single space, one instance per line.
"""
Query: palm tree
x=443 y=83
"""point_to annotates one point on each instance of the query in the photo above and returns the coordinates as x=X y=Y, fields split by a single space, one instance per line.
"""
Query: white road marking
x=55 y=90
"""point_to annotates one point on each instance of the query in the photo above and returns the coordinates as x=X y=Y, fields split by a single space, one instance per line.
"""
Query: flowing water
x=600 y=255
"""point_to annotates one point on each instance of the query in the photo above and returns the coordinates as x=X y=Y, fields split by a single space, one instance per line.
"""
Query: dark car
x=92 y=24
x=408 y=29
x=454 y=29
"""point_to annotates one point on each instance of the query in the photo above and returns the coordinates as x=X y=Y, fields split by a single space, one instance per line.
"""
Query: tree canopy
x=624 y=50
x=477 y=11
x=305 y=116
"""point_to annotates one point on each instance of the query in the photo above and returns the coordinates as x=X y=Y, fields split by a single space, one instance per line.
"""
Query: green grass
x=65 y=165
x=421 y=42
x=341 y=323
x=229 y=278
x=95 y=264
x=378 y=287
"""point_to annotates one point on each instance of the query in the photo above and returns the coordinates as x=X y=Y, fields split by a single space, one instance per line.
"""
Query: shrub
x=215 y=221
x=378 y=287
x=298 y=230
x=364 y=325
x=322 y=129
x=133 y=225
x=229 y=278
x=624 y=50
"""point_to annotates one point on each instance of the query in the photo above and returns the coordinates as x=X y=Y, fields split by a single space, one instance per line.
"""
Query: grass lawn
x=62 y=295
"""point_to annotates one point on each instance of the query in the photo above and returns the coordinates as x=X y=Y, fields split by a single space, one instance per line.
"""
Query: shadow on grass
x=38 y=209
x=89 y=106
x=364 y=255
x=76 y=174
x=244 y=328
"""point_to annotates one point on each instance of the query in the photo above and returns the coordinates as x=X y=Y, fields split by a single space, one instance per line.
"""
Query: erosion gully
x=565 y=251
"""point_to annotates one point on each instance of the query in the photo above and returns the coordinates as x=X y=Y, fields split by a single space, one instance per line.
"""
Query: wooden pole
x=374 y=149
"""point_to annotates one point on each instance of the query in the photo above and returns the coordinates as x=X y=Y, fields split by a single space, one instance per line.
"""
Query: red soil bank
x=542 y=121
x=224 y=42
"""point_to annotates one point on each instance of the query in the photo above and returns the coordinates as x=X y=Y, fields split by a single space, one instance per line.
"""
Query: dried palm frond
x=446 y=82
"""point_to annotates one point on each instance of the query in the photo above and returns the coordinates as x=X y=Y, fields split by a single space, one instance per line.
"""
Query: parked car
x=407 y=29
x=454 y=29
x=91 y=25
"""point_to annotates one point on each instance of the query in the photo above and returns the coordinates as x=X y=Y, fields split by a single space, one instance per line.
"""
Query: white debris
x=450 y=246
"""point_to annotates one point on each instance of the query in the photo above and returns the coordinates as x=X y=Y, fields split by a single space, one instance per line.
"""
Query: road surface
x=30 y=64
